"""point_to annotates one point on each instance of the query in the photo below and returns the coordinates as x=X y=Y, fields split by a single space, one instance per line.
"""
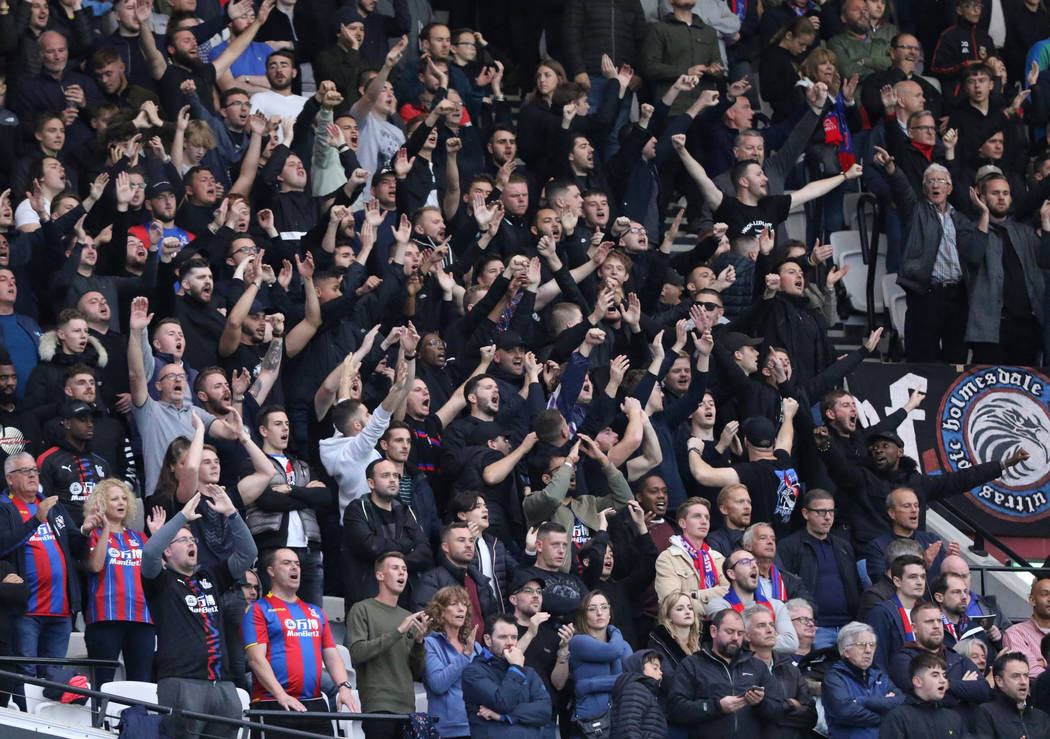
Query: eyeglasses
x=908 y=48
x=923 y=128
x=531 y=591
x=26 y=471
x=746 y=561
x=863 y=644
x=176 y=375
x=247 y=250
x=256 y=588
x=193 y=540
x=829 y=512
x=636 y=229
x=465 y=43
x=938 y=181
x=710 y=306
x=804 y=620
x=598 y=609
x=137 y=185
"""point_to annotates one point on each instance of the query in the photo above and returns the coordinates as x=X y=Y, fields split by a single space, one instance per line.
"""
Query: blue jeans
x=826 y=637
x=40 y=636
x=611 y=145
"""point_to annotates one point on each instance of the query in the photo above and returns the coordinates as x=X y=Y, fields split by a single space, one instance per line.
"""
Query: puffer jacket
x=267 y=517
x=855 y=701
x=596 y=27
x=594 y=667
x=637 y=713
x=45 y=387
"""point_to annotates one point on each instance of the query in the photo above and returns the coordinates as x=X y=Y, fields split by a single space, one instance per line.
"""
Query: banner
x=981 y=414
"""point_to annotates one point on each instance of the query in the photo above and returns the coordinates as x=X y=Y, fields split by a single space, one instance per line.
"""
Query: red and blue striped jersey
x=45 y=567
x=115 y=593
x=294 y=635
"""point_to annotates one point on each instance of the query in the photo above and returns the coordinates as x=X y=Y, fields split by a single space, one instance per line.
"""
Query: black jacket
x=962 y=696
x=919 y=719
x=71 y=475
x=703 y=679
x=447 y=574
x=636 y=712
x=1000 y=718
x=797 y=722
x=613 y=27
x=365 y=537
x=798 y=554
x=863 y=488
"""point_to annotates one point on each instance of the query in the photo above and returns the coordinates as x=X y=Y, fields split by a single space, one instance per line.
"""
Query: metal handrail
x=869 y=249
x=979 y=536
x=105 y=698
x=87 y=662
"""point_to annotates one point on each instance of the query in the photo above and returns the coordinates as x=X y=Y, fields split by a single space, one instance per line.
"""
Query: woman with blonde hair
x=677 y=632
x=117 y=617
x=451 y=646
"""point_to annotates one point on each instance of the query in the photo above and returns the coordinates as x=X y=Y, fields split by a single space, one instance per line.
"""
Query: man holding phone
x=723 y=688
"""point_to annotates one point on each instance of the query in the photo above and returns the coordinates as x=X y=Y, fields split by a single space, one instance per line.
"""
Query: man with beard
x=1005 y=253
x=724 y=669
x=71 y=469
x=455 y=567
x=185 y=58
x=21 y=430
x=279 y=99
x=483 y=404
x=161 y=421
x=201 y=322
x=111 y=76
x=866 y=485
x=839 y=410
x=857 y=51
x=741 y=572
x=545 y=643
x=162 y=204
x=966 y=686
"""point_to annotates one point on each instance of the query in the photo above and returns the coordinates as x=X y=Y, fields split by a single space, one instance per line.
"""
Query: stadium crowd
x=485 y=318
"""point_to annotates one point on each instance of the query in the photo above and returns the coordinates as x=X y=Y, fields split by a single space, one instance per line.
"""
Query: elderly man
x=857 y=694
x=58 y=88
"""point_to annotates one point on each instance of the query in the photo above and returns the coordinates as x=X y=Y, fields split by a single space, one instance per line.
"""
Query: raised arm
x=252 y=486
x=786 y=435
x=710 y=190
x=137 y=323
x=148 y=44
x=705 y=474
x=239 y=44
x=187 y=473
x=302 y=332
x=364 y=105
x=457 y=402
x=814 y=190
x=231 y=332
x=651 y=455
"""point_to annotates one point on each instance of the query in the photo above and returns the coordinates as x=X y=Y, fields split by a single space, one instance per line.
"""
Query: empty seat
x=896 y=303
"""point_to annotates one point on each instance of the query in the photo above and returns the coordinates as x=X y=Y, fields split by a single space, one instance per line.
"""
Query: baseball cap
x=79 y=408
x=509 y=340
x=159 y=188
x=522 y=578
x=485 y=432
x=734 y=340
x=885 y=435
x=759 y=431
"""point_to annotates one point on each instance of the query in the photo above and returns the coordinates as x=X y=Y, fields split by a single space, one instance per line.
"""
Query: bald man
x=1026 y=636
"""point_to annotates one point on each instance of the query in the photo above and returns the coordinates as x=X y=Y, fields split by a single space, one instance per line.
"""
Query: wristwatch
x=346 y=684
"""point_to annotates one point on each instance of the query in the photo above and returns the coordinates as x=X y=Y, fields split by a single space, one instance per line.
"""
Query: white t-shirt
x=24 y=213
x=378 y=143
